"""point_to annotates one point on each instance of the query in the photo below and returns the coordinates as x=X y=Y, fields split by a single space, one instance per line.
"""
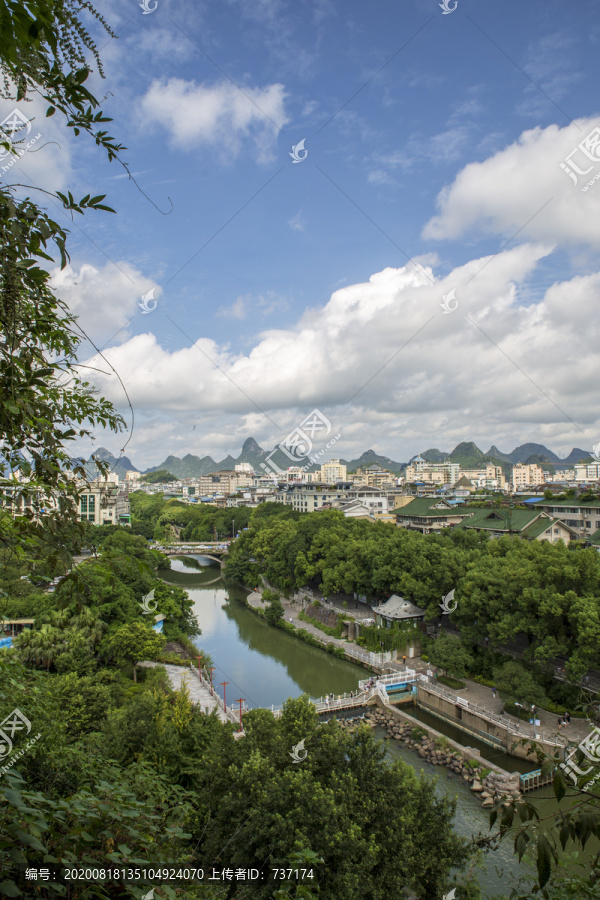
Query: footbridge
x=216 y=552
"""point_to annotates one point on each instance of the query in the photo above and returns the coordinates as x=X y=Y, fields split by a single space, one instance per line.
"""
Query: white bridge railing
x=402 y=676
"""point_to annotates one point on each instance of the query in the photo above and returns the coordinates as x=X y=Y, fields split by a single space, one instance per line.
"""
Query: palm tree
x=47 y=643
x=90 y=625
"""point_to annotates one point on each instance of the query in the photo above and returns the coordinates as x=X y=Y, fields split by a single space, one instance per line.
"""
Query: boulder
x=487 y=803
x=477 y=787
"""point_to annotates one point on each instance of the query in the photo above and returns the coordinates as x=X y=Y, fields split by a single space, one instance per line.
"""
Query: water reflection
x=265 y=665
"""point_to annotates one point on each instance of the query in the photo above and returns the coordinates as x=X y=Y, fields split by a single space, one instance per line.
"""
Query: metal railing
x=342 y=701
x=226 y=709
x=518 y=729
x=535 y=779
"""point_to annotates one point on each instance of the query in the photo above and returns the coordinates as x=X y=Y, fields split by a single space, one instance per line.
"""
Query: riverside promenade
x=474 y=693
x=199 y=692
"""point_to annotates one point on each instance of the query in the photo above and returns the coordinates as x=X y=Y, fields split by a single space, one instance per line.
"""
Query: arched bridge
x=216 y=553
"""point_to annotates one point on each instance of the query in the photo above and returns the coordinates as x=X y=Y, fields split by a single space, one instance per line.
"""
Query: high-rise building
x=333 y=471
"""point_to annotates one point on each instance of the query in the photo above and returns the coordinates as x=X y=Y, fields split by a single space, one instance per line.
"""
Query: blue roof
x=533 y=500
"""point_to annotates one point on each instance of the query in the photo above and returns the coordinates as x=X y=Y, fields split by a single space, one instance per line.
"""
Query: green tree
x=369 y=820
x=516 y=684
x=448 y=653
x=135 y=642
x=274 y=611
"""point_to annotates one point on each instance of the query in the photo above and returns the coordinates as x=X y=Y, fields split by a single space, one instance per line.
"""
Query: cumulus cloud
x=388 y=367
x=219 y=115
x=535 y=186
x=43 y=145
x=105 y=299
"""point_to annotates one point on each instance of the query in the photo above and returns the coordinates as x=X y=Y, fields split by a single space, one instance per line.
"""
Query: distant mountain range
x=467 y=454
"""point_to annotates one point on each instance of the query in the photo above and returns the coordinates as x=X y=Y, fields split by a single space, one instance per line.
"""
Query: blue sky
x=434 y=145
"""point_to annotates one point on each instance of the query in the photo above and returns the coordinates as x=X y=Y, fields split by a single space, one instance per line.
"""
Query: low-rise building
x=527 y=523
x=581 y=515
x=305 y=498
x=429 y=515
x=374 y=476
x=397 y=609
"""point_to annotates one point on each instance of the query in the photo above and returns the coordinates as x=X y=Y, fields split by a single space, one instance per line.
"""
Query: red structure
x=224 y=683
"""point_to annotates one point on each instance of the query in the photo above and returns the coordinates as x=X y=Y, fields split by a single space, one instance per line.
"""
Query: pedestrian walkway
x=475 y=692
x=199 y=694
x=482 y=696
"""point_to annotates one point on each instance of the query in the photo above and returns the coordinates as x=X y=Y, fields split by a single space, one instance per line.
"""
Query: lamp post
x=224 y=683
x=241 y=700
x=211 y=670
x=200 y=658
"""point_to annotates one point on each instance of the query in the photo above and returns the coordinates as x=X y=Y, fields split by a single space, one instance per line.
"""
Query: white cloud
x=237 y=310
x=265 y=304
x=104 y=299
x=46 y=146
x=220 y=115
x=523 y=188
x=497 y=369
x=297 y=223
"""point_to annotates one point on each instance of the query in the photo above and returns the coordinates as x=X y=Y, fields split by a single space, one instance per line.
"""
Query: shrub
x=417 y=733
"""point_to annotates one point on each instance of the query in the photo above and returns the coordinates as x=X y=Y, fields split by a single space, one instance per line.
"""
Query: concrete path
x=199 y=695
x=482 y=696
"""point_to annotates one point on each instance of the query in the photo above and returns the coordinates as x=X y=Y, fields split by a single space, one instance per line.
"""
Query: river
x=264 y=666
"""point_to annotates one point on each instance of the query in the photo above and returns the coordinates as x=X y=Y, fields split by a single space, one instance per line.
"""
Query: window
x=84 y=504
x=91 y=503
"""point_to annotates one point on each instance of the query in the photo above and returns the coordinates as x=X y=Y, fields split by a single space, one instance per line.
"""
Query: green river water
x=265 y=666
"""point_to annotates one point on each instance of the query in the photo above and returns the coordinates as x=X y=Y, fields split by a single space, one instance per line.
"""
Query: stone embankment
x=491 y=787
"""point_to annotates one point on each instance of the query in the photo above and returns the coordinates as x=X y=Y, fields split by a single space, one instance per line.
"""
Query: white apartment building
x=308 y=499
x=130 y=475
x=527 y=476
x=103 y=503
x=219 y=483
x=333 y=471
x=296 y=474
x=434 y=473
x=374 y=476
x=587 y=472
x=244 y=467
